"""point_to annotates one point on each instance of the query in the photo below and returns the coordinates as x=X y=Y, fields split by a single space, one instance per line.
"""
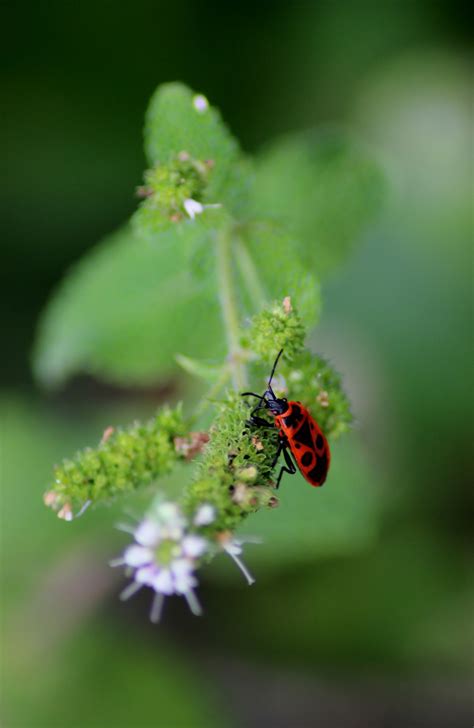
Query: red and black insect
x=298 y=432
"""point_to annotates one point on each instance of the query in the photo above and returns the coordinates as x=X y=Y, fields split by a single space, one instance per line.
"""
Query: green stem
x=229 y=308
x=212 y=392
x=250 y=275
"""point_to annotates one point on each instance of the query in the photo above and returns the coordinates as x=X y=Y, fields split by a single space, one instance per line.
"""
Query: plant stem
x=229 y=308
x=250 y=275
x=212 y=392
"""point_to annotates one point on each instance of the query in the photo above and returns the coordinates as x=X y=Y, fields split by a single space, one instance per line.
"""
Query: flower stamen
x=129 y=591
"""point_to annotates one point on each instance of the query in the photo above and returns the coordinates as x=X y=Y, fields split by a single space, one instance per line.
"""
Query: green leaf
x=174 y=124
x=326 y=188
x=129 y=306
x=270 y=270
x=200 y=369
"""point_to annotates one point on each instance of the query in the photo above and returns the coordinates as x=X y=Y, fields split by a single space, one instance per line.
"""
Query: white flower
x=205 y=515
x=169 y=521
x=164 y=557
x=200 y=103
x=147 y=532
x=193 y=207
x=194 y=546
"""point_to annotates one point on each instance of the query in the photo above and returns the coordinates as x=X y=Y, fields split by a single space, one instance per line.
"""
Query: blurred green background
x=373 y=628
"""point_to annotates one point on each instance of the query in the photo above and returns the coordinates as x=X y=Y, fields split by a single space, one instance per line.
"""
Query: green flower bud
x=124 y=461
x=166 y=189
x=276 y=328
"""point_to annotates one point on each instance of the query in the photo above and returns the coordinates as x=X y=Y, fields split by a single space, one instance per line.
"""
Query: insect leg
x=289 y=466
x=259 y=422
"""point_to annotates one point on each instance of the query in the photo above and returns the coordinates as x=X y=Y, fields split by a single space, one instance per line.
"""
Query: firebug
x=299 y=434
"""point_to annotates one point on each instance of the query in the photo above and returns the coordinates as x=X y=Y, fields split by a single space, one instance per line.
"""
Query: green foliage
x=308 y=201
x=166 y=189
x=325 y=188
x=125 y=460
x=235 y=475
x=269 y=268
x=174 y=124
x=312 y=380
x=110 y=317
x=199 y=248
x=237 y=472
x=275 y=329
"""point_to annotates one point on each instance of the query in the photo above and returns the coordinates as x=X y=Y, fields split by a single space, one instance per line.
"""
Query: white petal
x=156 y=607
x=170 y=514
x=234 y=548
x=193 y=603
x=137 y=556
x=168 y=511
x=194 y=546
x=117 y=562
x=200 y=103
x=147 y=533
x=129 y=591
x=181 y=567
x=204 y=515
x=163 y=582
x=172 y=533
x=146 y=574
x=192 y=207
x=183 y=575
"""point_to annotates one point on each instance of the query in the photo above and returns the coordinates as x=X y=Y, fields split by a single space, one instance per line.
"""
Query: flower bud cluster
x=235 y=475
x=171 y=191
x=313 y=381
x=276 y=328
x=124 y=460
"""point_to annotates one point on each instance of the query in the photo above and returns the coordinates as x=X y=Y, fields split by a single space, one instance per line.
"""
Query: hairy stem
x=250 y=275
x=206 y=402
x=229 y=308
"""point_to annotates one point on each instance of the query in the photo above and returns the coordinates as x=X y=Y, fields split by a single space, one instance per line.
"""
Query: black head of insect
x=269 y=400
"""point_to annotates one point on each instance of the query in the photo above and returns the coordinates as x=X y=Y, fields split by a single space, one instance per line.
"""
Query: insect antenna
x=273 y=372
x=252 y=394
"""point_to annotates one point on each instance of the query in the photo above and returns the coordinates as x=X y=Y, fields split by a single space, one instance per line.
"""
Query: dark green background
x=376 y=636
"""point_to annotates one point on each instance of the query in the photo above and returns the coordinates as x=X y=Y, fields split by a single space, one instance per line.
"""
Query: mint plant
x=215 y=273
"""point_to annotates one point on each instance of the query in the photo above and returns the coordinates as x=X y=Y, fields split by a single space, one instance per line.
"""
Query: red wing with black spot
x=308 y=445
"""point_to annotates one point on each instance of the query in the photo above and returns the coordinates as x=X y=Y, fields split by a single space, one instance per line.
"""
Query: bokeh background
x=378 y=631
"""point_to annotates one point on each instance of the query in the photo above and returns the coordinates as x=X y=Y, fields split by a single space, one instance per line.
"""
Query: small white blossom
x=194 y=546
x=66 y=512
x=169 y=521
x=200 y=103
x=193 y=207
x=205 y=515
x=147 y=532
x=164 y=557
x=135 y=556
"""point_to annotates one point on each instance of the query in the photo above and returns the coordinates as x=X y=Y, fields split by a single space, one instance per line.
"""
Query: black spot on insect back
x=294 y=417
x=304 y=435
x=319 y=472
x=319 y=442
x=307 y=459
